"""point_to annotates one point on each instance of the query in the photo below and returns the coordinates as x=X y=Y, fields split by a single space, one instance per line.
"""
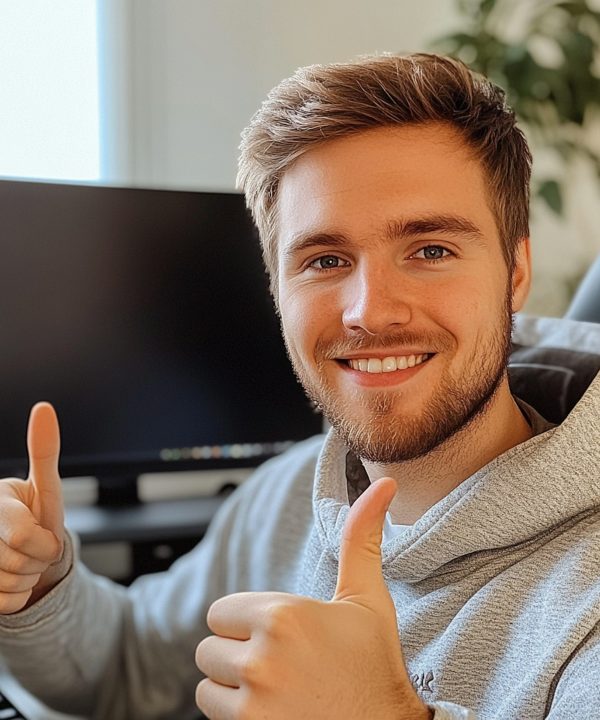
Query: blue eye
x=328 y=262
x=433 y=253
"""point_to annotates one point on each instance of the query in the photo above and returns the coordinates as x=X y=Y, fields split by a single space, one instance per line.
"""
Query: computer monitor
x=144 y=317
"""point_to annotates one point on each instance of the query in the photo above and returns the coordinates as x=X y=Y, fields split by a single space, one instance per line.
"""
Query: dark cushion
x=553 y=362
x=551 y=380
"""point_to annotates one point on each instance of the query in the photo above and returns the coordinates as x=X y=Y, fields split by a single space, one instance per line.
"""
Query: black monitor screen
x=144 y=317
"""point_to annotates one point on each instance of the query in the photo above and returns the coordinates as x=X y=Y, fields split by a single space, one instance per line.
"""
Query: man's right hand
x=32 y=518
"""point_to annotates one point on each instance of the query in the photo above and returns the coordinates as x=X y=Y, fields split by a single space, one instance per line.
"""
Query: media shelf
x=159 y=520
x=126 y=542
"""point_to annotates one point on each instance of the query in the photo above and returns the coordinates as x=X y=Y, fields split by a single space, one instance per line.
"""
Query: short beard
x=388 y=438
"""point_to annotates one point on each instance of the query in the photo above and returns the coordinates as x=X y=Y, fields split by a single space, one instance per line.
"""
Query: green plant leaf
x=551 y=102
x=550 y=192
x=578 y=8
x=455 y=42
x=487 y=6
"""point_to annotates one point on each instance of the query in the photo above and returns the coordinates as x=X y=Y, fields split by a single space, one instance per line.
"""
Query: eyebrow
x=398 y=229
x=453 y=225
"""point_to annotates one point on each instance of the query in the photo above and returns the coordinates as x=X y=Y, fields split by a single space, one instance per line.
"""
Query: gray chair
x=586 y=301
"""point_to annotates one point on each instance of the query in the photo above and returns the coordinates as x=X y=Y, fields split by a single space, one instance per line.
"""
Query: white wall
x=202 y=67
x=189 y=74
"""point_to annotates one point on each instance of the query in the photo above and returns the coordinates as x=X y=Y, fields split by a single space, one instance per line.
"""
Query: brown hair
x=322 y=102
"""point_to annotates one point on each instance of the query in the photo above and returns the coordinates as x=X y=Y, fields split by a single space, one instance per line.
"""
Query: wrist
x=55 y=572
x=425 y=713
x=419 y=711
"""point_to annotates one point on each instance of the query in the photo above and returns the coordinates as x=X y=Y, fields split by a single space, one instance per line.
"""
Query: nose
x=375 y=300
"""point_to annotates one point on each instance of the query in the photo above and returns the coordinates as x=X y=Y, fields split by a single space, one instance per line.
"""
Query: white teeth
x=374 y=365
x=388 y=364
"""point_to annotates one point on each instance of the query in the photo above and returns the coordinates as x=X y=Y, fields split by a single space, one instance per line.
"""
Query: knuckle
x=283 y=619
x=251 y=671
x=277 y=617
x=16 y=537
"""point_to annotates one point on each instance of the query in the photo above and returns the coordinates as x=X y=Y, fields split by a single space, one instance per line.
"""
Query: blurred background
x=154 y=93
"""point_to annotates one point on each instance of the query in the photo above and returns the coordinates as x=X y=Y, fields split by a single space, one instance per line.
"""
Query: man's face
x=395 y=299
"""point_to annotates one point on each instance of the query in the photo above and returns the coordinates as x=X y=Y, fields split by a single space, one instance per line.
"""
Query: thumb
x=43 y=447
x=359 y=572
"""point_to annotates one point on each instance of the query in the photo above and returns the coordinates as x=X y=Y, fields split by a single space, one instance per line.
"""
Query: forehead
x=357 y=183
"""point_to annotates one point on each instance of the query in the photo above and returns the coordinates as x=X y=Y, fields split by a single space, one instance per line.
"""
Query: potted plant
x=545 y=54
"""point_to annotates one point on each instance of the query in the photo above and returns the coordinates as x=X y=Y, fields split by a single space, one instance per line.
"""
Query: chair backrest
x=586 y=301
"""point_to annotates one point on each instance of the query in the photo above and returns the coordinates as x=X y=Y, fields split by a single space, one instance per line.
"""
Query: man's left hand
x=276 y=655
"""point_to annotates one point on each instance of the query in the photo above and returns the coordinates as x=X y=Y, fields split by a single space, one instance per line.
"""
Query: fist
x=276 y=655
x=32 y=517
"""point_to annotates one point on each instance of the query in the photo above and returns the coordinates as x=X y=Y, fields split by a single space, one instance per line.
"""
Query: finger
x=20 y=531
x=13 y=583
x=359 y=573
x=219 y=702
x=222 y=660
x=233 y=616
x=237 y=616
x=43 y=445
x=13 y=602
x=15 y=562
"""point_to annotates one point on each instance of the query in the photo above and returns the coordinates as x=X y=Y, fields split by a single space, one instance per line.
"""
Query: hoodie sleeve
x=93 y=648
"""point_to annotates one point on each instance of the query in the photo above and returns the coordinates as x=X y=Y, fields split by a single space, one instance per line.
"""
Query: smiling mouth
x=386 y=364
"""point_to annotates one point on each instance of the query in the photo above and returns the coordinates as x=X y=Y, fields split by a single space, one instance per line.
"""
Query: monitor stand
x=117 y=490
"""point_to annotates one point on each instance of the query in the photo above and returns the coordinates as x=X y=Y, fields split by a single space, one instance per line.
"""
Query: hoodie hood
x=531 y=489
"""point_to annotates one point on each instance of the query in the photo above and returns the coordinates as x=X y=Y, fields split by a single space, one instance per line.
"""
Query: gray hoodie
x=496 y=588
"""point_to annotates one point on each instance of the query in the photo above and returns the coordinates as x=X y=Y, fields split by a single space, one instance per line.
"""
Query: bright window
x=49 y=123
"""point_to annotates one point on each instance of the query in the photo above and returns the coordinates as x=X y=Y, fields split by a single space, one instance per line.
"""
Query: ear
x=521 y=279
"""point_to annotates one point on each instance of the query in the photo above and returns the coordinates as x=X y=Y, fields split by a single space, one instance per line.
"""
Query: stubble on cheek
x=374 y=425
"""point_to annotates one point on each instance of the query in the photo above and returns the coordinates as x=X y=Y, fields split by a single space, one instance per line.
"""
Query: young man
x=391 y=196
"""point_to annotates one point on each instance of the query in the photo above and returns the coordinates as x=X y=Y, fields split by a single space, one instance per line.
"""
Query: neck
x=426 y=480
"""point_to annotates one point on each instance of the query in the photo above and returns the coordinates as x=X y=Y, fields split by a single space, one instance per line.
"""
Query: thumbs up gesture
x=275 y=655
x=31 y=517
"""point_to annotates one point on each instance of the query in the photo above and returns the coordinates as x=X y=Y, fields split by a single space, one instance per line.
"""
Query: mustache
x=329 y=349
